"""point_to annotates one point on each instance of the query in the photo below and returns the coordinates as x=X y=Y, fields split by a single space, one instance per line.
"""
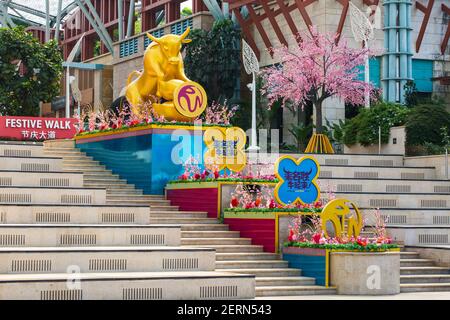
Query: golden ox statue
x=164 y=83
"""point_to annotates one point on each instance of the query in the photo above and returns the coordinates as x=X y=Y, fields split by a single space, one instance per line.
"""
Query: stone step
x=83 y=166
x=284 y=281
x=112 y=201
x=413 y=216
x=380 y=172
x=10 y=149
x=178 y=214
x=384 y=185
x=82 y=161
x=28 y=214
x=182 y=221
x=121 y=186
x=106 y=178
x=425 y=278
x=82 y=235
x=409 y=255
x=269 y=272
x=416 y=262
x=204 y=226
x=102 y=183
x=94 y=170
x=31 y=164
x=78 y=157
x=103 y=175
x=187 y=285
x=142 y=197
x=210 y=234
x=52 y=195
x=105 y=259
x=424 y=287
x=397 y=200
x=154 y=208
x=111 y=192
x=423 y=270
x=212 y=241
x=251 y=264
x=9 y=178
x=246 y=256
x=293 y=291
x=233 y=248
x=344 y=159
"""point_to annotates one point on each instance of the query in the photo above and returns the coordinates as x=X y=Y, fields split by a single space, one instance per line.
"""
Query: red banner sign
x=31 y=128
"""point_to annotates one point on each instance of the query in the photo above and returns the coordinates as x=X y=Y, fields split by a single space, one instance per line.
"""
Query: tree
x=30 y=72
x=320 y=67
x=186 y=12
x=213 y=59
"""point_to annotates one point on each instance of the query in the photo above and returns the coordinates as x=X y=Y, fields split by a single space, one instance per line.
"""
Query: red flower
x=234 y=202
x=316 y=237
x=184 y=176
x=272 y=204
x=216 y=174
x=318 y=204
x=134 y=122
x=249 y=205
x=197 y=176
x=257 y=202
x=361 y=241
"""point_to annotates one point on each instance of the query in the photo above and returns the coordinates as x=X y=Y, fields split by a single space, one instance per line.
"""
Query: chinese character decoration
x=225 y=148
x=297 y=180
x=339 y=212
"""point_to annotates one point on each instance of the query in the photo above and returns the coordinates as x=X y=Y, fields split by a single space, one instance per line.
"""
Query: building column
x=397 y=60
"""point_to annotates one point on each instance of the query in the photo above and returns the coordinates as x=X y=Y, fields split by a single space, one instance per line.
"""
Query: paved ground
x=401 y=296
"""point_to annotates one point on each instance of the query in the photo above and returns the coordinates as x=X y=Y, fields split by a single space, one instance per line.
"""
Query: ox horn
x=152 y=38
x=184 y=35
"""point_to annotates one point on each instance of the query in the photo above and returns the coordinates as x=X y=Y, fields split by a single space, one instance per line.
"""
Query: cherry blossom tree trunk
x=318 y=106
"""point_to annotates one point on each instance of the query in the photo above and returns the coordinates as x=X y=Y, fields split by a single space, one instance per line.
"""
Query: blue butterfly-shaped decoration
x=297 y=180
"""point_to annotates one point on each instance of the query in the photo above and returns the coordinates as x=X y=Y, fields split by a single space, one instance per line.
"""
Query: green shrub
x=363 y=128
x=424 y=125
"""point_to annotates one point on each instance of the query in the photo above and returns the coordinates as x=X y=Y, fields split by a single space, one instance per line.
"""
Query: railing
x=157 y=33
x=137 y=44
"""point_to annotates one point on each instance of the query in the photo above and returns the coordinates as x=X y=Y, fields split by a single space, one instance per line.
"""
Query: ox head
x=171 y=45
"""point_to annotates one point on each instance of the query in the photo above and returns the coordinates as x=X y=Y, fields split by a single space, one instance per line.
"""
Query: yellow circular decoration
x=339 y=213
x=190 y=99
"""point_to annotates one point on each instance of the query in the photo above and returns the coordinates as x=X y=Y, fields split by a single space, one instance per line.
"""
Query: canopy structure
x=35 y=12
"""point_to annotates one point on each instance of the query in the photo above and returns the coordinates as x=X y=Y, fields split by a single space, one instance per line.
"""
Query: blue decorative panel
x=422 y=72
x=157 y=33
x=296 y=180
x=374 y=71
x=311 y=266
x=128 y=48
x=180 y=27
x=146 y=160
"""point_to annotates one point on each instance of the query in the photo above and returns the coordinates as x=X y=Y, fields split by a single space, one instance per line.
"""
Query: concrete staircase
x=418 y=274
x=234 y=254
x=71 y=234
x=407 y=195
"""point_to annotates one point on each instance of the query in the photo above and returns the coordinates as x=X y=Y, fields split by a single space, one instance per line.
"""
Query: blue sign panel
x=297 y=180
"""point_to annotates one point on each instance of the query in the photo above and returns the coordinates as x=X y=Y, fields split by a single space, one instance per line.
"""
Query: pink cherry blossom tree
x=318 y=68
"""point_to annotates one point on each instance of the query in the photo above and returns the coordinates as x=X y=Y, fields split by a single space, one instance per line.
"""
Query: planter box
x=269 y=229
x=365 y=273
x=144 y=155
x=351 y=272
x=313 y=262
x=212 y=197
